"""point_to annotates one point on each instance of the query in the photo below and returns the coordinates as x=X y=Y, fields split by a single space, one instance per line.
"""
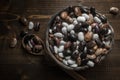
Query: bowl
x=32 y=47
x=78 y=37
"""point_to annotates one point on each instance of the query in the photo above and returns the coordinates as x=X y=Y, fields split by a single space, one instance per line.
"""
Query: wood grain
x=16 y=64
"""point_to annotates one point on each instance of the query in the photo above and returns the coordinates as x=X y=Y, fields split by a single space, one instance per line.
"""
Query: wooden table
x=16 y=64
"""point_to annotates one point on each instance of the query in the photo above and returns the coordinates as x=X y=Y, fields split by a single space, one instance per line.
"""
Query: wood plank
x=15 y=63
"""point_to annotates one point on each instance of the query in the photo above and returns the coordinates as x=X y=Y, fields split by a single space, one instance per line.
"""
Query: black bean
x=75 y=56
x=84 y=10
x=23 y=33
x=103 y=19
x=77 y=28
x=58 y=19
x=98 y=42
x=72 y=38
x=93 y=11
x=70 y=9
x=73 y=47
x=90 y=51
x=81 y=48
x=23 y=21
x=72 y=15
x=66 y=53
x=83 y=55
x=84 y=62
x=96 y=29
x=37 y=26
x=90 y=44
x=84 y=25
x=103 y=31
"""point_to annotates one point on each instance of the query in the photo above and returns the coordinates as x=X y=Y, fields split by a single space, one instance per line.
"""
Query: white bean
x=70 y=27
x=86 y=16
x=90 y=63
x=74 y=65
x=67 y=57
x=58 y=34
x=71 y=62
x=62 y=42
x=64 y=24
x=61 y=55
x=95 y=36
x=97 y=20
x=81 y=19
x=31 y=25
x=55 y=49
x=89 y=28
x=65 y=62
x=61 y=48
x=81 y=36
x=64 y=30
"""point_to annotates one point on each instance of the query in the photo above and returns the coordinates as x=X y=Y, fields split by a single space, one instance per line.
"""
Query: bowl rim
x=48 y=51
x=31 y=51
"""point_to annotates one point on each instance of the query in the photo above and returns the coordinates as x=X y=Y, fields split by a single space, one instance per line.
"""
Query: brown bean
x=90 y=21
x=28 y=48
x=67 y=45
x=104 y=26
x=93 y=56
x=69 y=19
x=77 y=11
x=57 y=41
x=23 y=20
x=88 y=36
x=99 y=51
x=64 y=15
x=79 y=61
x=51 y=35
x=114 y=10
x=95 y=47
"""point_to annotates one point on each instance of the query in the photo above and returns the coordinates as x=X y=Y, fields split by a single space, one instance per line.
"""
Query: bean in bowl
x=79 y=37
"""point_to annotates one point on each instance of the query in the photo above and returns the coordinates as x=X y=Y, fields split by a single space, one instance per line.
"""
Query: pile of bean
x=80 y=37
x=33 y=44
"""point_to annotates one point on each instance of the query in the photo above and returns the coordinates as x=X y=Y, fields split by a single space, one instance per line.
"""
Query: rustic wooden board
x=16 y=64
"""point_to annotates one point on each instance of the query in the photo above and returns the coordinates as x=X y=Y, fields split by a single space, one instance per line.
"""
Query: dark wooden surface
x=16 y=64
